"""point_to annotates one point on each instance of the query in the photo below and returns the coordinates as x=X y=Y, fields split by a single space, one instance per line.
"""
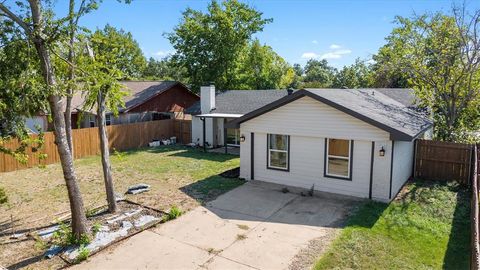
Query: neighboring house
x=146 y=101
x=357 y=142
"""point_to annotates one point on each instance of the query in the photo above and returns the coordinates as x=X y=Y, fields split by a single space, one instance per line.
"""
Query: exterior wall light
x=242 y=138
x=382 y=152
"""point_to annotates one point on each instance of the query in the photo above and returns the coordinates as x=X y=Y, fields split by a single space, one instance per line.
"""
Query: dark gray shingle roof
x=369 y=105
x=406 y=96
x=240 y=101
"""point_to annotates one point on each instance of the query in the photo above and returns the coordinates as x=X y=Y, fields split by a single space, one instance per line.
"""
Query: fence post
x=475 y=250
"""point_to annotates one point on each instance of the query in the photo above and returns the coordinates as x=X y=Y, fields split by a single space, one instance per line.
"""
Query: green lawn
x=426 y=228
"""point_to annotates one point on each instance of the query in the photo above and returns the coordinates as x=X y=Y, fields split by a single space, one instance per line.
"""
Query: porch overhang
x=219 y=115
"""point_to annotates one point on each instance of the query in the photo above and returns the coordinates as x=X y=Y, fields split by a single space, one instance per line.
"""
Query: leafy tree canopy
x=209 y=44
x=440 y=57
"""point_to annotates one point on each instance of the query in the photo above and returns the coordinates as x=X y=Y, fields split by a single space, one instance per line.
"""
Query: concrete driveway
x=254 y=226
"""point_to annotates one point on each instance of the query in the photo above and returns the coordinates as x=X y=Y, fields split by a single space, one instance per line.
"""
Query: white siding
x=307 y=165
x=197 y=131
x=381 y=171
x=309 y=117
x=402 y=164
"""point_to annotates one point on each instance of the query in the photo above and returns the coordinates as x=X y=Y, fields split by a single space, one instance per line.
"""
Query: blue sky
x=339 y=31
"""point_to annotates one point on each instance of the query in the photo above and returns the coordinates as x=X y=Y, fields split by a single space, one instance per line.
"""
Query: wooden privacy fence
x=86 y=141
x=443 y=161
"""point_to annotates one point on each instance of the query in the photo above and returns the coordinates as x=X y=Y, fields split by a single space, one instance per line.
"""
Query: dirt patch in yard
x=178 y=176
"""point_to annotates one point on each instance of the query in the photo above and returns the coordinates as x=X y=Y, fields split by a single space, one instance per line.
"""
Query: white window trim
x=349 y=158
x=108 y=118
x=287 y=163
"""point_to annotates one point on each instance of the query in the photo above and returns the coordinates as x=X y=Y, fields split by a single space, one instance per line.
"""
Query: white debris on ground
x=105 y=236
x=144 y=220
x=48 y=232
x=123 y=216
x=102 y=238
x=17 y=235
x=139 y=188
x=52 y=251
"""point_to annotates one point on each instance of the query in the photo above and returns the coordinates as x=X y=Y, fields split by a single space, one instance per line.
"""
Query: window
x=278 y=151
x=108 y=119
x=92 y=120
x=233 y=136
x=338 y=158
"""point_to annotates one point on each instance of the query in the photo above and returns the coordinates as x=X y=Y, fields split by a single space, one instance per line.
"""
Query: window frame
x=270 y=167
x=350 y=160
x=92 y=123
x=108 y=120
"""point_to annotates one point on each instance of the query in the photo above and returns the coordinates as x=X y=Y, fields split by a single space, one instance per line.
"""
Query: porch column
x=204 y=134
x=225 y=135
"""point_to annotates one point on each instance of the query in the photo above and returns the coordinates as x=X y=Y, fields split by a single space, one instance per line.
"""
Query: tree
x=440 y=54
x=105 y=66
x=22 y=91
x=262 y=68
x=165 y=69
x=385 y=71
x=318 y=74
x=208 y=45
x=129 y=57
x=35 y=23
x=356 y=75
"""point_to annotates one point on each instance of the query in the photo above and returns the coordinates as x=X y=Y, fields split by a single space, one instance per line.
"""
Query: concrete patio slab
x=252 y=200
x=148 y=250
x=254 y=226
x=219 y=262
x=203 y=229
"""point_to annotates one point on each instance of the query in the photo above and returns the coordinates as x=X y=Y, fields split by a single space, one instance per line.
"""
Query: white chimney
x=207 y=98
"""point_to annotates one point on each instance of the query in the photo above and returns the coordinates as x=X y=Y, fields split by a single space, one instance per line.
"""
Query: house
x=357 y=142
x=210 y=114
x=146 y=101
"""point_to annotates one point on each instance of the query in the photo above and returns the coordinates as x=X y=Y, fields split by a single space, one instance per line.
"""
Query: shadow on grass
x=26 y=262
x=181 y=151
x=210 y=188
x=367 y=214
x=458 y=251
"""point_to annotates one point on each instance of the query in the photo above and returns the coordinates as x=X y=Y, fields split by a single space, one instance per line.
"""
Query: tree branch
x=16 y=19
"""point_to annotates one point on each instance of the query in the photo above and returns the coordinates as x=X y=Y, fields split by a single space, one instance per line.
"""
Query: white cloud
x=371 y=61
x=162 y=53
x=330 y=55
x=335 y=46
x=314 y=41
x=337 y=54
x=309 y=55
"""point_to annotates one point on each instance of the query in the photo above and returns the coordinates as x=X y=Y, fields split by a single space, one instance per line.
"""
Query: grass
x=178 y=175
x=428 y=227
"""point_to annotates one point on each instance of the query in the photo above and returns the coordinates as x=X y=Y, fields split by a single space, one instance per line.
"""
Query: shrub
x=64 y=237
x=174 y=213
x=83 y=254
x=3 y=196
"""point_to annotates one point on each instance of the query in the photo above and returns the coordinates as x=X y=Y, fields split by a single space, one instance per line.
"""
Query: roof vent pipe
x=290 y=91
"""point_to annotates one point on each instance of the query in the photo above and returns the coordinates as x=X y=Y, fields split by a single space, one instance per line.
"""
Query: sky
x=339 y=31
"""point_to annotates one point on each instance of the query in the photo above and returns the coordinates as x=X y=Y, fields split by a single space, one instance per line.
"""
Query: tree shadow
x=182 y=151
x=26 y=262
x=210 y=188
x=457 y=255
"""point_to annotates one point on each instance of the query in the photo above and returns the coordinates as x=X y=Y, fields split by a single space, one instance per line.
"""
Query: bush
x=83 y=254
x=64 y=237
x=3 y=196
x=174 y=213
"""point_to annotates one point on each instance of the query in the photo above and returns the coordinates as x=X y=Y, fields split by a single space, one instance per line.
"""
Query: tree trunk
x=79 y=220
x=105 y=152
x=71 y=76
